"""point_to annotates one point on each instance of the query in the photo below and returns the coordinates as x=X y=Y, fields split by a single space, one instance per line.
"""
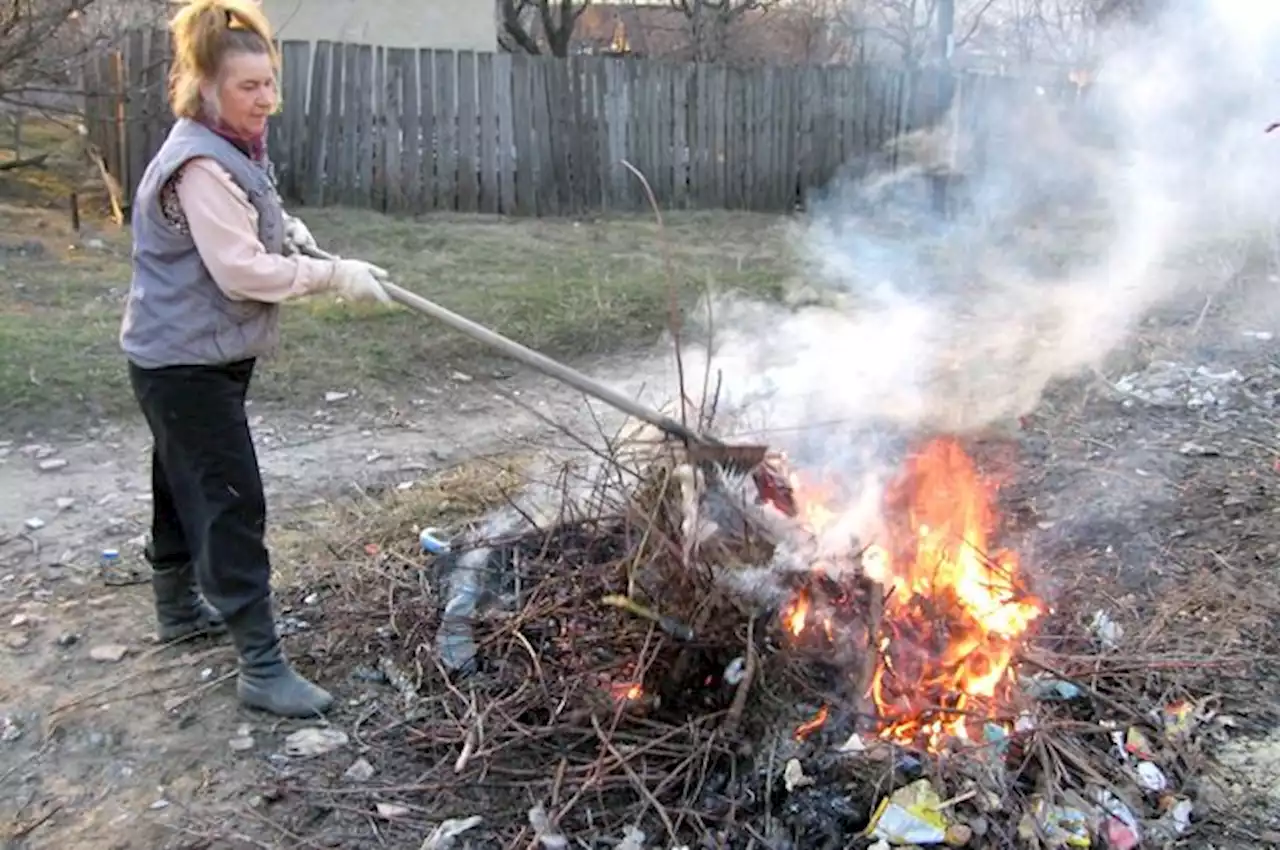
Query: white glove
x=297 y=236
x=357 y=280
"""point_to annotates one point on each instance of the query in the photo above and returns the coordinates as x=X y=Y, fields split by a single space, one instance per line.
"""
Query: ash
x=1167 y=384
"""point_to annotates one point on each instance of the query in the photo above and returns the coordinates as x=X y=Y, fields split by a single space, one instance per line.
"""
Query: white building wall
x=431 y=24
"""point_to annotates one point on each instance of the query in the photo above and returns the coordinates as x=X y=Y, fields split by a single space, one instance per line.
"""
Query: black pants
x=208 y=506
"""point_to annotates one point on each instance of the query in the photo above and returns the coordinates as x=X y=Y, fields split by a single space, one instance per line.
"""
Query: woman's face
x=247 y=92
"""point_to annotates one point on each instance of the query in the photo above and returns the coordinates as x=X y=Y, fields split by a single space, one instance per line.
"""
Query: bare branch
x=529 y=26
x=44 y=44
x=711 y=20
x=516 y=26
x=975 y=22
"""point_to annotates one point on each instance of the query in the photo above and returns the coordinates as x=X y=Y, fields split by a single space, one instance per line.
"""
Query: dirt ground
x=98 y=751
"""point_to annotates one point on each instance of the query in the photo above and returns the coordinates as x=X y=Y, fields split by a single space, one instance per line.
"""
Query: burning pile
x=945 y=613
x=704 y=656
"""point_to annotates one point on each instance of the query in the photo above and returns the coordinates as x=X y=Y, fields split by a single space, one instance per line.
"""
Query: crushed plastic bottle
x=455 y=639
x=431 y=543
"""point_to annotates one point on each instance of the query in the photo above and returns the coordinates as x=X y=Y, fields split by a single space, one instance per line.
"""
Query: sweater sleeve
x=224 y=226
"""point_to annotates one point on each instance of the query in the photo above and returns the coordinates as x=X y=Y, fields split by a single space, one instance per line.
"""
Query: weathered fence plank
x=597 y=69
x=560 y=133
x=296 y=58
x=525 y=155
x=446 y=121
x=393 y=145
x=545 y=199
x=487 y=96
x=680 y=135
x=506 y=159
x=411 y=131
x=468 y=133
x=136 y=62
x=616 y=112
x=372 y=94
x=426 y=200
x=348 y=151
x=319 y=129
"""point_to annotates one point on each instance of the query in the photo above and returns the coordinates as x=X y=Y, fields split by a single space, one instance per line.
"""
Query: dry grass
x=380 y=522
x=61 y=173
x=573 y=289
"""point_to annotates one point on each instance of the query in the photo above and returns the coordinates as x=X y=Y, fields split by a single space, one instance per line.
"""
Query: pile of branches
x=610 y=678
x=609 y=684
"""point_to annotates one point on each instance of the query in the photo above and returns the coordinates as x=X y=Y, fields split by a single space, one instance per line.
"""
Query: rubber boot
x=180 y=609
x=267 y=681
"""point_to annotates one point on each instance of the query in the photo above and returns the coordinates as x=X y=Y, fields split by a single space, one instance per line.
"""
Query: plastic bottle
x=109 y=561
x=432 y=544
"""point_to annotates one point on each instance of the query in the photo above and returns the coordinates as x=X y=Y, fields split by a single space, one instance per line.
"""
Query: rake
x=703 y=449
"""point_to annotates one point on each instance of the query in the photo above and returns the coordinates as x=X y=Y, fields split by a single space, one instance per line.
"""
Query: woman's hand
x=357 y=280
x=297 y=236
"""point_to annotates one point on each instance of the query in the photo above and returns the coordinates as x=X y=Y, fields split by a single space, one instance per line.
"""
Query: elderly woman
x=212 y=262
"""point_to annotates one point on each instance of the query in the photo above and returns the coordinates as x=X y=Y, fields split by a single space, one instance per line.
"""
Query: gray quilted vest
x=176 y=315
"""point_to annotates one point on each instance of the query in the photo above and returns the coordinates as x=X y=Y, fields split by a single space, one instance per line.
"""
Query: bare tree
x=1046 y=32
x=45 y=43
x=812 y=31
x=1131 y=10
x=39 y=40
x=910 y=27
x=1068 y=30
x=711 y=20
x=538 y=26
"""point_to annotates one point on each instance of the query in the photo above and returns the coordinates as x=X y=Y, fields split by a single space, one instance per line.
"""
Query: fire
x=807 y=728
x=953 y=610
x=626 y=691
x=797 y=614
x=817 y=516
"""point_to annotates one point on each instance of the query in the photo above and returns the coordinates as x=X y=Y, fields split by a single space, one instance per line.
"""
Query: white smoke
x=1084 y=218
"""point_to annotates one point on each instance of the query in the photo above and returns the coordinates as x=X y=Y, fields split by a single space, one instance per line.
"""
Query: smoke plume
x=1085 y=214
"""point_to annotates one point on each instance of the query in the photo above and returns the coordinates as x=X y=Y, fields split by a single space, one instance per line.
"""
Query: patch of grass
x=65 y=169
x=570 y=289
x=314 y=546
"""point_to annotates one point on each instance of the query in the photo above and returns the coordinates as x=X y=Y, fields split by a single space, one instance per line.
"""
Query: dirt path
x=148 y=745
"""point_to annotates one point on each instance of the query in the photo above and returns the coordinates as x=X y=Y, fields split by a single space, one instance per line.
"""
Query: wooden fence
x=416 y=131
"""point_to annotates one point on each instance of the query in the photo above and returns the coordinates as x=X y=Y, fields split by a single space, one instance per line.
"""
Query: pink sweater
x=203 y=200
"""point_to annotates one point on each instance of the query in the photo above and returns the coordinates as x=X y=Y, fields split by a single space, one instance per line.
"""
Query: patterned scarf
x=254 y=147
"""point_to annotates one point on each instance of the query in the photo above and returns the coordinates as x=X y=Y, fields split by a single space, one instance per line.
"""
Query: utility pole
x=946 y=11
x=946 y=32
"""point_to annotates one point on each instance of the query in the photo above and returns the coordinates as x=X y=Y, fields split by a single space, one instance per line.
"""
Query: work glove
x=297 y=236
x=357 y=280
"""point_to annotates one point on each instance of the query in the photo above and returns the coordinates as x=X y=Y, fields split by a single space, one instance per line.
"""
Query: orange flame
x=625 y=691
x=953 y=613
x=812 y=725
x=796 y=615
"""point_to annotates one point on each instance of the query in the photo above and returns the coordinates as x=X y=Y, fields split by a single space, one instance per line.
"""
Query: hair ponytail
x=204 y=33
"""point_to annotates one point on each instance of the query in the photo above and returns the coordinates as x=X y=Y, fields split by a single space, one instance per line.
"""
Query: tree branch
x=975 y=23
x=555 y=21
x=513 y=14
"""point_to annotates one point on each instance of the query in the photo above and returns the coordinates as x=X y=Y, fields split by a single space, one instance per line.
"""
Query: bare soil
x=135 y=751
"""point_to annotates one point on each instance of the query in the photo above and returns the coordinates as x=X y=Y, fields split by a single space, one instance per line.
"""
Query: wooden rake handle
x=542 y=363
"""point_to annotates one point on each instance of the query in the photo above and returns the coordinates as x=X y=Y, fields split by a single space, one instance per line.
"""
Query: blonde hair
x=205 y=32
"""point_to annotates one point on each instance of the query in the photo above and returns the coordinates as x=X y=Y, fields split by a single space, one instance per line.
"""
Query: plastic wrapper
x=910 y=815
